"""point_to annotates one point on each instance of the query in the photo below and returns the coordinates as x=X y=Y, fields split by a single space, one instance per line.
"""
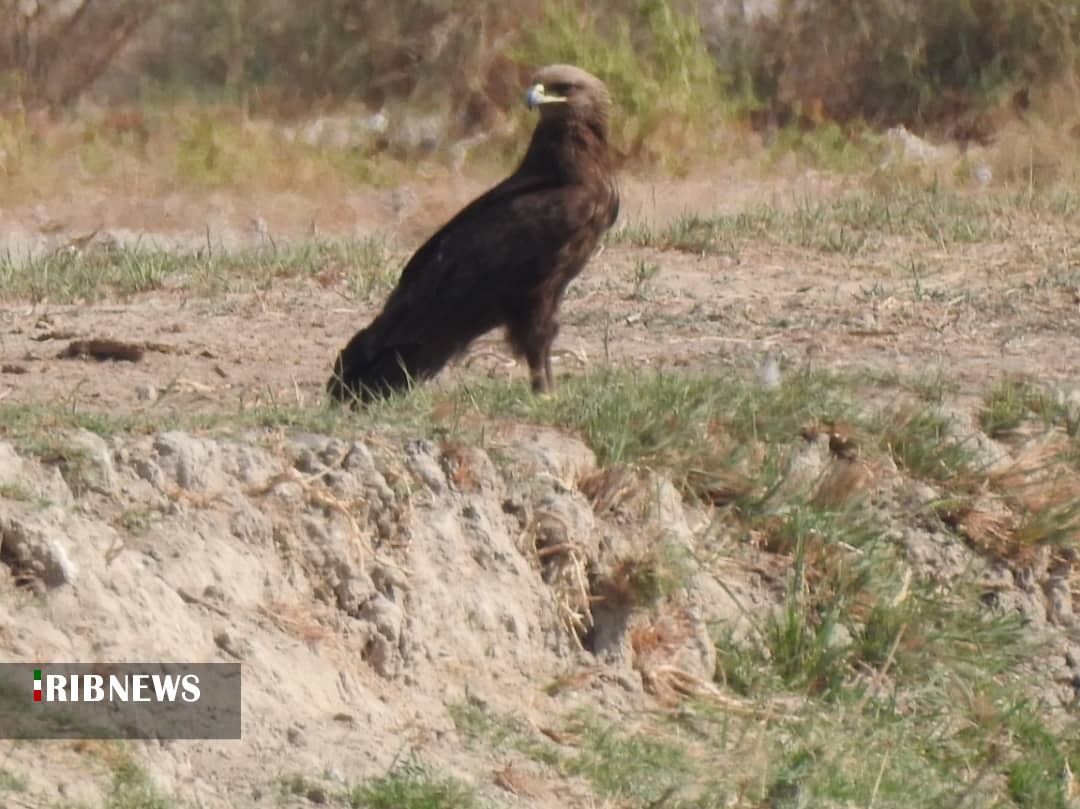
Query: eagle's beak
x=536 y=96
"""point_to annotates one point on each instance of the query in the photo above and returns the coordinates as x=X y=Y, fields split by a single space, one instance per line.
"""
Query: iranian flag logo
x=37 y=685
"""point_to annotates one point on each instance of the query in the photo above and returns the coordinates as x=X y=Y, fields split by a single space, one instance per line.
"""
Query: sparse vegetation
x=367 y=267
x=639 y=768
x=72 y=460
x=1013 y=401
x=834 y=692
x=849 y=225
x=870 y=674
x=132 y=788
x=923 y=442
x=11 y=782
x=412 y=786
x=15 y=491
x=913 y=62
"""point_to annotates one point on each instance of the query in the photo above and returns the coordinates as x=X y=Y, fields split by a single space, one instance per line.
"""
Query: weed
x=644 y=769
x=838 y=568
x=641 y=278
x=876 y=61
x=850 y=225
x=98 y=271
x=922 y=442
x=73 y=461
x=297 y=785
x=11 y=782
x=1039 y=777
x=1053 y=524
x=652 y=57
x=132 y=788
x=15 y=491
x=1011 y=401
x=692 y=233
x=827 y=146
x=412 y=786
x=138 y=520
x=932 y=386
x=86 y=274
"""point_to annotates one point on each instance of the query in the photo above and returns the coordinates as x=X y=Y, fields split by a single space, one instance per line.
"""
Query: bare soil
x=368 y=587
x=897 y=306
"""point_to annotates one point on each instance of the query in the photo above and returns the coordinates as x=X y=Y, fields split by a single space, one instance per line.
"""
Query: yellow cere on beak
x=536 y=96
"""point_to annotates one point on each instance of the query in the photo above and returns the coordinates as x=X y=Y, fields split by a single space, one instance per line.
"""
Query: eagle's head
x=565 y=91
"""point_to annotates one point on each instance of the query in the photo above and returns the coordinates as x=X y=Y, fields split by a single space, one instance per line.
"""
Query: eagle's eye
x=562 y=88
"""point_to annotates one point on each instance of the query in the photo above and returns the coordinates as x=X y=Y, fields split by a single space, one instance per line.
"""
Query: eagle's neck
x=568 y=150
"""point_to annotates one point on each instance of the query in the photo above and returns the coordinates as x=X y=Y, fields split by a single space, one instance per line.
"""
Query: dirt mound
x=369 y=586
x=364 y=585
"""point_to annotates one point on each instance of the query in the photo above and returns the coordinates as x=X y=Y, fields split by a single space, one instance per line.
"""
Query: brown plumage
x=503 y=260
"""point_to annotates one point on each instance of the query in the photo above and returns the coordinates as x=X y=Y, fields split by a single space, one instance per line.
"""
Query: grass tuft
x=132 y=788
x=1012 y=401
x=922 y=442
x=412 y=787
x=11 y=782
x=366 y=267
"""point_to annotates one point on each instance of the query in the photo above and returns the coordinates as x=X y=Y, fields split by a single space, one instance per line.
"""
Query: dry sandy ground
x=900 y=305
x=290 y=557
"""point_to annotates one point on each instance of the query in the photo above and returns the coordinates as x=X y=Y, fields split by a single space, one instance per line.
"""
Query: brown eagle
x=503 y=260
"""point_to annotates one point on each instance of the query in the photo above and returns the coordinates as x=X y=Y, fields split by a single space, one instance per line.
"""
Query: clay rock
x=34 y=545
x=202 y=464
x=541 y=451
x=422 y=460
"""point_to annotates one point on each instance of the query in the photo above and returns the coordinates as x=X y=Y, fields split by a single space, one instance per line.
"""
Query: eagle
x=505 y=259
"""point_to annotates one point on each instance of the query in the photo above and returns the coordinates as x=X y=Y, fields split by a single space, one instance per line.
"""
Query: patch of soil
x=368 y=585
x=969 y=310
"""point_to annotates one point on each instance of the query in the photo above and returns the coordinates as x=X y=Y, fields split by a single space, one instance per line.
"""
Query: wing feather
x=498 y=246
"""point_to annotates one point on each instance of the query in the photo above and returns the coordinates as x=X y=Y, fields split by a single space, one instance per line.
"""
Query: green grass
x=841 y=579
x=827 y=146
x=865 y=686
x=921 y=441
x=632 y=768
x=697 y=429
x=132 y=788
x=847 y=225
x=653 y=58
x=937 y=736
x=11 y=782
x=73 y=461
x=1036 y=776
x=412 y=787
x=638 y=769
x=641 y=279
x=367 y=266
x=480 y=726
x=925 y=690
x=693 y=428
x=138 y=520
x=1014 y=400
x=16 y=491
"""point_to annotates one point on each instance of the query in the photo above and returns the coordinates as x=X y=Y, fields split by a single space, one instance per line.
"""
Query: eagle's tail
x=367 y=369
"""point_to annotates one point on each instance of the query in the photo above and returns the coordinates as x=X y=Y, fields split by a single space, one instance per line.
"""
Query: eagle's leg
x=538 y=356
x=539 y=372
x=549 y=378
